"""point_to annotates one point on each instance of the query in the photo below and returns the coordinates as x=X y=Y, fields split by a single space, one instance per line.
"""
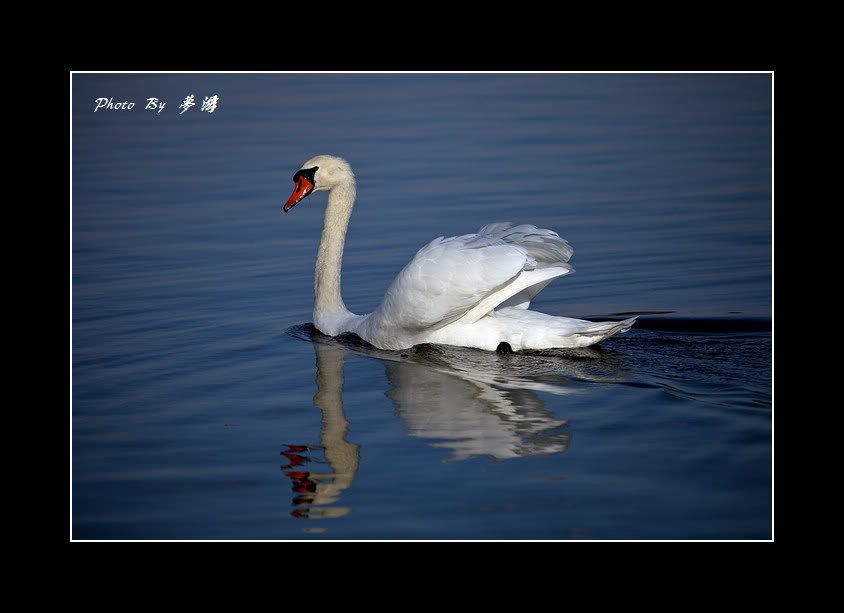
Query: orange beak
x=302 y=189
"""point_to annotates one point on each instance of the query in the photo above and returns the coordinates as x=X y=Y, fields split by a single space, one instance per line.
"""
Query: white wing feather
x=465 y=277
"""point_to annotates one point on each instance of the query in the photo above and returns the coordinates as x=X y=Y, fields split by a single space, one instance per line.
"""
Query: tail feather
x=587 y=333
x=605 y=329
x=528 y=329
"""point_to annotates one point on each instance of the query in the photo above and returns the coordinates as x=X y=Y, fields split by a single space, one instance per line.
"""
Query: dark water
x=204 y=406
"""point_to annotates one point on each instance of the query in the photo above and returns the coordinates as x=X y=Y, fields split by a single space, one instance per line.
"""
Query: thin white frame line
x=70 y=85
x=773 y=368
x=773 y=412
x=391 y=72
x=423 y=541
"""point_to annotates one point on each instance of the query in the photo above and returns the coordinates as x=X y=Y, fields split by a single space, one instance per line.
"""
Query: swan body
x=471 y=291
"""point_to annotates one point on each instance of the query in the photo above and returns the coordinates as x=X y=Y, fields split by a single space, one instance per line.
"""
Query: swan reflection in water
x=474 y=403
x=316 y=490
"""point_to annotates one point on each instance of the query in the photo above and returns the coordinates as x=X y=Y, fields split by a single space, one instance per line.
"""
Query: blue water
x=206 y=407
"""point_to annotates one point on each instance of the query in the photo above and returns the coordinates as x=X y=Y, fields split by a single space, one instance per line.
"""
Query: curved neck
x=327 y=299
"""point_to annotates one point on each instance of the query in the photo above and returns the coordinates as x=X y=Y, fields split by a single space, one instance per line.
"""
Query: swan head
x=319 y=174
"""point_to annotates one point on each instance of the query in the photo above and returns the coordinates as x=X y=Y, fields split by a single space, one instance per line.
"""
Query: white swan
x=470 y=291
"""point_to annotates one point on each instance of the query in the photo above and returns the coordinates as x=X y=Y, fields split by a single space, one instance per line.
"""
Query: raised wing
x=544 y=245
x=465 y=277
